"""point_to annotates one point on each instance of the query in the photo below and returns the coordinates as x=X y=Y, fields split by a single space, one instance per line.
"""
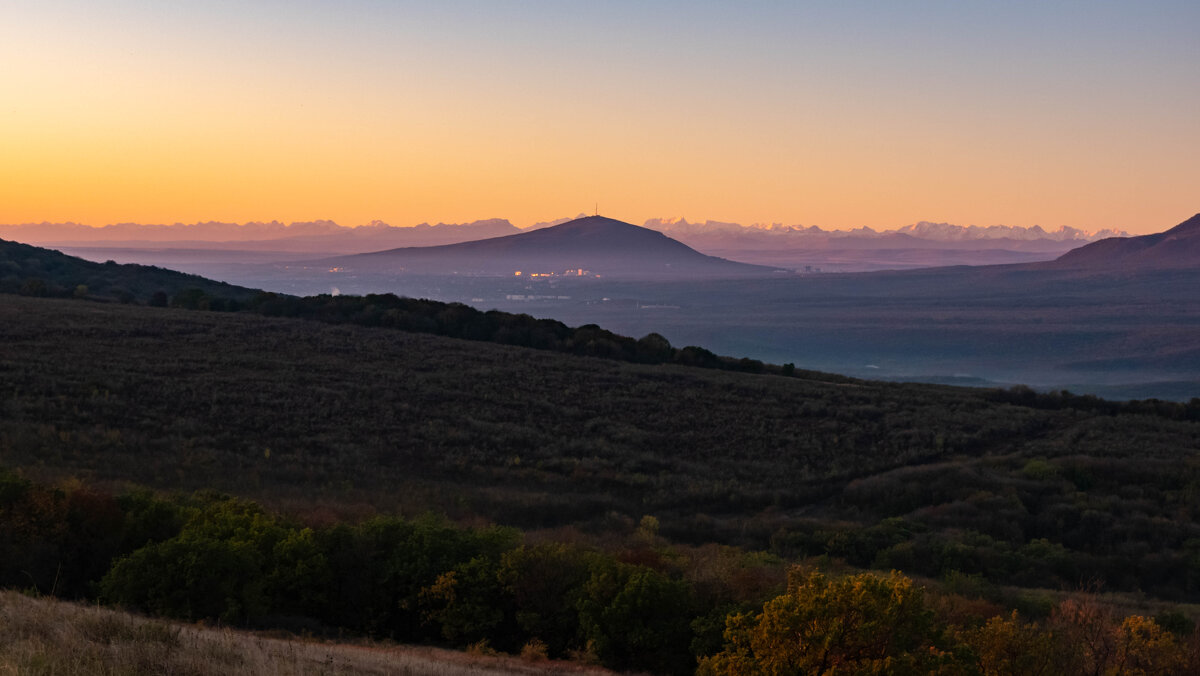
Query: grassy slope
x=44 y=636
x=310 y=416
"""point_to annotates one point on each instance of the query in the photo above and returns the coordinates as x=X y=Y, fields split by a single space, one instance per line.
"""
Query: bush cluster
x=212 y=557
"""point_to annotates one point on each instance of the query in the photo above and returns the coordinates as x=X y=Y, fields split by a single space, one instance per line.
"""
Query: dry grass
x=48 y=637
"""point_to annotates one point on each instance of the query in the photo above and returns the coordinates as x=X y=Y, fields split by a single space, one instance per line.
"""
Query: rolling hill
x=34 y=271
x=314 y=416
x=598 y=245
x=1178 y=247
x=336 y=423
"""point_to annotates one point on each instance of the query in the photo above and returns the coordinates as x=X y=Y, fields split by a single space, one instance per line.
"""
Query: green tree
x=299 y=577
x=653 y=348
x=215 y=568
x=546 y=584
x=470 y=604
x=637 y=618
x=34 y=287
x=191 y=299
x=384 y=564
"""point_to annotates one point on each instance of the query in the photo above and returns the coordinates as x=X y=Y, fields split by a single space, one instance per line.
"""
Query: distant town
x=577 y=272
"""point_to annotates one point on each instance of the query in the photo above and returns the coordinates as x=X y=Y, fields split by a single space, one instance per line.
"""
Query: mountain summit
x=1178 y=247
x=596 y=244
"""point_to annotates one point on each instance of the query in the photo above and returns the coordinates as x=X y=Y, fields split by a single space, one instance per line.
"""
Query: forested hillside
x=1046 y=490
x=337 y=427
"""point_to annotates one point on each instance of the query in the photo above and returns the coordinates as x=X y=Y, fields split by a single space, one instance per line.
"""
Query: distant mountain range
x=303 y=237
x=427 y=234
x=923 y=244
x=592 y=245
x=1178 y=247
x=942 y=232
x=213 y=231
x=811 y=248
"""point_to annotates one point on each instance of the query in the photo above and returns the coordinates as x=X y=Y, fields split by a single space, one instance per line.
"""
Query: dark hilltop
x=1178 y=247
x=593 y=245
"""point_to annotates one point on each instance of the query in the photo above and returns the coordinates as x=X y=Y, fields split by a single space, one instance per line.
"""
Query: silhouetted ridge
x=598 y=245
x=1190 y=226
x=35 y=271
x=1178 y=247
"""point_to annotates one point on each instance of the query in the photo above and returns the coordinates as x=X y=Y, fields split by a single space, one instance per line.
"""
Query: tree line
x=212 y=557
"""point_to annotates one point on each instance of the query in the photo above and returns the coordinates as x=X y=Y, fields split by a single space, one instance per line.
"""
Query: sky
x=836 y=114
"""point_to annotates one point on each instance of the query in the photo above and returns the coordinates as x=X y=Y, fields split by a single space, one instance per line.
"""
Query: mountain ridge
x=322 y=236
x=1178 y=247
x=927 y=230
x=220 y=231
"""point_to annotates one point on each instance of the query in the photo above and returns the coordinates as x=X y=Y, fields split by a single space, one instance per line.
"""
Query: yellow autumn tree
x=1097 y=643
x=863 y=624
x=1006 y=646
x=1146 y=649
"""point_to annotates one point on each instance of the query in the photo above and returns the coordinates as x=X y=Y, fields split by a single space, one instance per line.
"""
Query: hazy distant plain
x=1120 y=335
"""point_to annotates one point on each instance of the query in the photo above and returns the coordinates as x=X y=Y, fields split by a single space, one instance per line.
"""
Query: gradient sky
x=838 y=114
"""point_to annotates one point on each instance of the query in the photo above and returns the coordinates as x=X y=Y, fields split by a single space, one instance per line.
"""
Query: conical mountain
x=1178 y=247
x=602 y=246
